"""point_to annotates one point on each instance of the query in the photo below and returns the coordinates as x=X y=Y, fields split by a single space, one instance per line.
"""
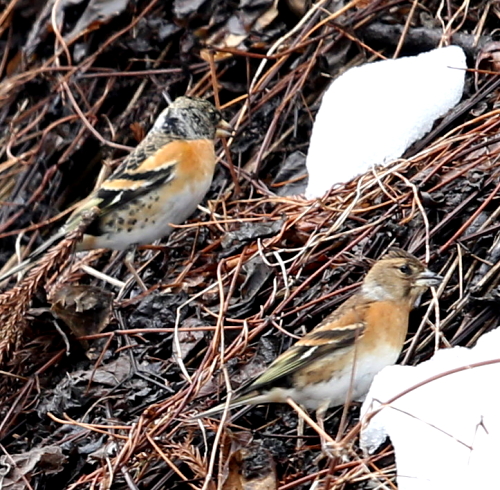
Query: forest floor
x=104 y=397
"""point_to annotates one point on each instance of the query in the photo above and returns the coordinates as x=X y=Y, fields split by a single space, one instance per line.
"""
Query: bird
x=337 y=361
x=160 y=183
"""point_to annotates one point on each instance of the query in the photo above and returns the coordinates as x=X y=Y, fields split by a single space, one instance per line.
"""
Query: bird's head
x=398 y=276
x=192 y=118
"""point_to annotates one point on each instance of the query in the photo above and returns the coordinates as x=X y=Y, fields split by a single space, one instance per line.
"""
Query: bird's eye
x=405 y=269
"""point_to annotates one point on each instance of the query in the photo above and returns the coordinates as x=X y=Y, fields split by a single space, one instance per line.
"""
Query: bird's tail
x=252 y=398
x=74 y=221
x=32 y=258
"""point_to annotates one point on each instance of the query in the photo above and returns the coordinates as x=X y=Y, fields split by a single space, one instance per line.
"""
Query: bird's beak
x=428 y=278
x=224 y=129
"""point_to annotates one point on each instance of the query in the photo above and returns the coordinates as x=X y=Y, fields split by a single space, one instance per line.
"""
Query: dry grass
x=252 y=270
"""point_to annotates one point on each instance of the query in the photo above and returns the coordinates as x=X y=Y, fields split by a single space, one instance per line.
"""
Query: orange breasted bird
x=161 y=182
x=342 y=355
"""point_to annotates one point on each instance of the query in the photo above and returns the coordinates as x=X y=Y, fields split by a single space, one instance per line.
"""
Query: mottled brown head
x=191 y=118
x=398 y=276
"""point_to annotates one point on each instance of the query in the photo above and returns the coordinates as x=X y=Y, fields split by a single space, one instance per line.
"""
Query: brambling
x=159 y=184
x=342 y=355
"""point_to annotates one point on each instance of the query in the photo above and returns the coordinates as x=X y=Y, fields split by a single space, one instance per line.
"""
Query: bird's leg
x=329 y=448
x=300 y=433
x=129 y=264
x=320 y=418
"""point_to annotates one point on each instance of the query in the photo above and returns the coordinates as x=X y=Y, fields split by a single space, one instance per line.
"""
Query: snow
x=372 y=113
x=446 y=432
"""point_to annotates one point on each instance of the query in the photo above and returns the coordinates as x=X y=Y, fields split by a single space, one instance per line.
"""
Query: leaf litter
x=257 y=265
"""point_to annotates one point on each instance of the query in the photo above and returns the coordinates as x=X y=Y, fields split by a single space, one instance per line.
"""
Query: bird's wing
x=318 y=343
x=322 y=341
x=150 y=165
x=144 y=170
x=335 y=335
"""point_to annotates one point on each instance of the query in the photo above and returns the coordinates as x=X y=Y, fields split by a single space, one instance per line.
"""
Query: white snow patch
x=446 y=433
x=372 y=113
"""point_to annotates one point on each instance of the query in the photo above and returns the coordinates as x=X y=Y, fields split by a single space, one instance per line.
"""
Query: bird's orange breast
x=191 y=157
x=386 y=323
